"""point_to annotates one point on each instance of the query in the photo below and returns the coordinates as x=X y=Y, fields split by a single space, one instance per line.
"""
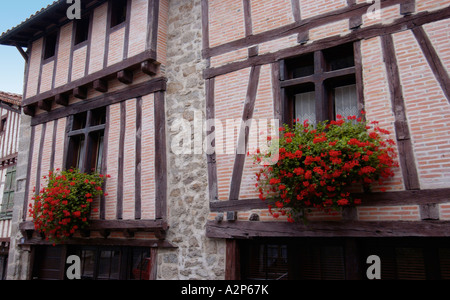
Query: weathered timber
x=247 y=230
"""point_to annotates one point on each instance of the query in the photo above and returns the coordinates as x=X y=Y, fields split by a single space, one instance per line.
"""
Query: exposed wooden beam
x=242 y=145
x=150 y=67
x=140 y=89
x=434 y=61
x=407 y=22
x=405 y=148
x=248 y=229
x=130 y=63
x=125 y=76
x=45 y=105
x=408 y=7
x=62 y=99
x=413 y=197
x=101 y=85
x=29 y=110
x=22 y=52
x=80 y=92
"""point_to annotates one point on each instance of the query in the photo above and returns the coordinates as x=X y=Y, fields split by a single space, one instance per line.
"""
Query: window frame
x=3 y=122
x=322 y=80
x=91 y=145
x=86 y=28
x=114 y=6
x=426 y=258
x=46 y=57
x=9 y=189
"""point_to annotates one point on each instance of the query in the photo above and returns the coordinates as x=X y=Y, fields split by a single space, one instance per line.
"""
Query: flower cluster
x=64 y=204
x=317 y=165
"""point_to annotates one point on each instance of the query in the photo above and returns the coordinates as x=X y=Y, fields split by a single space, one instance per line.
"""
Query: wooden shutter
x=49 y=263
x=444 y=262
x=410 y=264
x=8 y=192
x=321 y=263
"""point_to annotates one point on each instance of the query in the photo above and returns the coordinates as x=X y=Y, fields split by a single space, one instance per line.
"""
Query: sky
x=12 y=64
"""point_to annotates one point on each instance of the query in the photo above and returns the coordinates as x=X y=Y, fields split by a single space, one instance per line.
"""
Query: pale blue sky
x=12 y=13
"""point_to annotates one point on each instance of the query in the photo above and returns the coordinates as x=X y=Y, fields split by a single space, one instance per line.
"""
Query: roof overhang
x=42 y=22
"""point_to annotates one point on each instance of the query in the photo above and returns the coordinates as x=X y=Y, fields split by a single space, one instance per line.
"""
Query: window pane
x=339 y=57
x=305 y=107
x=82 y=30
x=94 y=152
x=50 y=45
x=410 y=264
x=140 y=269
x=118 y=12
x=87 y=264
x=345 y=101
x=98 y=116
x=79 y=121
x=300 y=67
x=80 y=153
x=109 y=264
x=99 y=155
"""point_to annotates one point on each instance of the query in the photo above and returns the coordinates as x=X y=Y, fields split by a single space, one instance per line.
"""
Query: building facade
x=9 y=131
x=138 y=87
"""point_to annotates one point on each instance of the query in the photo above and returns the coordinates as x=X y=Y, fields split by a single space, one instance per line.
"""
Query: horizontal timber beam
x=256 y=229
x=130 y=63
x=401 y=24
x=413 y=197
x=297 y=27
x=129 y=92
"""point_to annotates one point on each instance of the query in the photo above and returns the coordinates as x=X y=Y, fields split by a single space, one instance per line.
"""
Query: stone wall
x=196 y=257
x=19 y=259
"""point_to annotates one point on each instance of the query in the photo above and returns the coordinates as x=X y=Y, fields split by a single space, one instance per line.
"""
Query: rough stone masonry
x=197 y=257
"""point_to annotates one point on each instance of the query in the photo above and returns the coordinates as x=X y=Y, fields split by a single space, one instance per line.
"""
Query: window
x=113 y=263
x=3 y=125
x=8 y=193
x=321 y=85
x=50 y=45
x=118 y=12
x=328 y=258
x=96 y=262
x=3 y=266
x=85 y=149
x=82 y=30
x=267 y=261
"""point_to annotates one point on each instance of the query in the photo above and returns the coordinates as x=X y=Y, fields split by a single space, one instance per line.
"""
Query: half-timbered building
x=114 y=91
x=9 y=130
x=94 y=97
x=312 y=60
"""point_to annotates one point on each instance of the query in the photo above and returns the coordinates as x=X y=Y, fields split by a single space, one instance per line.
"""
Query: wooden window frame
x=114 y=20
x=322 y=80
x=86 y=131
x=7 y=205
x=86 y=31
x=434 y=254
x=46 y=57
x=3 y=121
x=125 y=264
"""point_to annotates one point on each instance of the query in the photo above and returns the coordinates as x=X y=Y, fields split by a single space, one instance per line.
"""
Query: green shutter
x=8 y=191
